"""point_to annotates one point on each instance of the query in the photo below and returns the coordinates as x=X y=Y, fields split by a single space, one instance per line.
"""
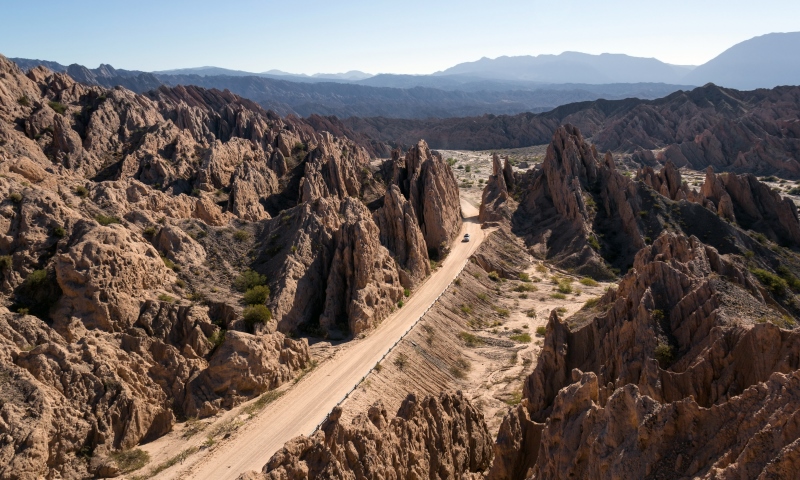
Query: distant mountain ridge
x=572 y=67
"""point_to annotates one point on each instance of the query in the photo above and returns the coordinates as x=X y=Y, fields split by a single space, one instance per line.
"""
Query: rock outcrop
x=494 y=208
x=430 y=186
x=677 y=348
x=577 y=206
x=442 y=437
x=751 y=204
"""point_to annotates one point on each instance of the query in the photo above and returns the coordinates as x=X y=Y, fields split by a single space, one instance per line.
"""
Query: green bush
x=217 y=338
x=592 y=241
x=169 y=263
x=541 y=330
x=257 y=295
x=406 y=292
x=130 y=460
x=6 y=262
x=256 y=314
x=81 y=191
x=591 y=302
x=564 y=286
x=400 y=361
x=36 y=278
x=106 y=220
x=524 y=277
x=525 y=287
x=664 y=354
x=791 y=280
x=493 y=276
x=588 y=282
x=469 y=339
x=166 y=298
x=775 y=284
x=400 y=304
x=248 y=279
x=149 y=231
x=59 y=232
x=558 y=296
x=59 y=108
x=24 y=101
x=467 y=309
x=468 y=169
x=521 y=337
x=15 y=197
x=241 y=235
x=503 y=312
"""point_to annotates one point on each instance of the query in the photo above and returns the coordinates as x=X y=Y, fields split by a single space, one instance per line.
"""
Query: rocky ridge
x=431 y=437
x=131 y=224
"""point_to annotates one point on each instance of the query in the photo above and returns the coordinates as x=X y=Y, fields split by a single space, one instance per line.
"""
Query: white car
x=466 y=237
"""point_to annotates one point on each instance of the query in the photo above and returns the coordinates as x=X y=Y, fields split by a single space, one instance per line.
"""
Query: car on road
x=466 y=237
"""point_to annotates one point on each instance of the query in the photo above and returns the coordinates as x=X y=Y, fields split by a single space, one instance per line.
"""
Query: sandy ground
x=238 y=441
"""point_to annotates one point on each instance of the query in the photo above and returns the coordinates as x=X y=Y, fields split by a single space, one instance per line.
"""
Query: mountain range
x=505 y=85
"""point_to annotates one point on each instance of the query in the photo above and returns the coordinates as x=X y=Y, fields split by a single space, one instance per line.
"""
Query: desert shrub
x=400 y=361
x=466 y=308
x=6 y=262
x=591 y=302
x=406 y=292
x=531 y=313
x=149 y=231
x=460 y=369
x=256 y=314
x=564 y=286
x=106 y=220
x=400 y=304
x=169 y=263
x=24 y=101
x=457 y=282
x=558 y=296
x=378 y=367
x=59 y=108
x=541 y=268
x=59 y=232
x=592 y=241
x=588 y=282
x=81 y=191
x=525 y=287
x=775 y=284
x=241 y=235
x=248 y=279
x=130 y=460
x=493 y=276
x=791 y=280
x=521 y=337
x=166 y=298
x=469 y=339
x=541 y=330
x=503 y=312
x=15 y=197
x=524 y=277
x=451 y=161
x=257 y=295
x=217 y=338
x=180 y=283
x=664 y=354
x=468 y=169
x=483 y=296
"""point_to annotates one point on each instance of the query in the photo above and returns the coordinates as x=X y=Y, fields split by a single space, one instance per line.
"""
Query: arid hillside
x=162 y=257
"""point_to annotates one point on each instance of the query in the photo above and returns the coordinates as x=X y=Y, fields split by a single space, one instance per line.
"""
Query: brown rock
x=442 y=437
x=400 y=233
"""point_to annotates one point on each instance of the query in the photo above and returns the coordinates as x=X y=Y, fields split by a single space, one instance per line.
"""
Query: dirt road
x=304 y=405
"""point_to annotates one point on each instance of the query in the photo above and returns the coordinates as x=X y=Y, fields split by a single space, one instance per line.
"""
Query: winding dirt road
x=307 y=403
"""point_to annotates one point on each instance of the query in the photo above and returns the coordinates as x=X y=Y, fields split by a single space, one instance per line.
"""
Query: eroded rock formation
x=432 y=437
x=676 y=351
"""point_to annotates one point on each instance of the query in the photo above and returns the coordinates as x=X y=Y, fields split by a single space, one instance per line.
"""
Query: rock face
x=430 y=186
x=442 y=437
x=647 y=384
x=740 y=199
x=576 y=206
x=494 y=208
x=753 y=205
x=128 y=225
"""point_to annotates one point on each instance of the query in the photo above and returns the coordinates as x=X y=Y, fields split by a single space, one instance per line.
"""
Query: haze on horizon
x=411 y=37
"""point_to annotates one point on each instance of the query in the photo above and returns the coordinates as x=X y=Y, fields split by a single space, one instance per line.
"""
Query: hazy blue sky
x=409 y=36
